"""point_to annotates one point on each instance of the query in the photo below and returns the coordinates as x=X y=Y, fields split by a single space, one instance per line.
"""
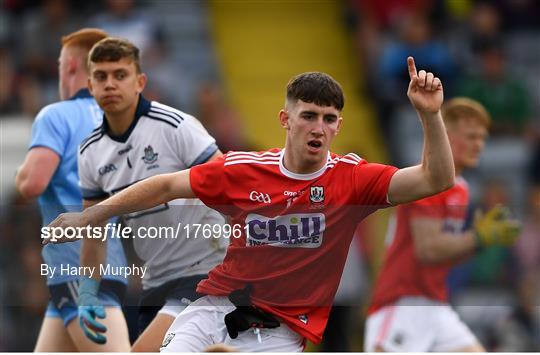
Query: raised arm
x=140 y=196
x=436 y=172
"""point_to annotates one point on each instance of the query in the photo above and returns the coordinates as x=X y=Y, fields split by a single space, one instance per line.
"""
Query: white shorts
x=417 y=324
x=173 y=307
x=202 y=324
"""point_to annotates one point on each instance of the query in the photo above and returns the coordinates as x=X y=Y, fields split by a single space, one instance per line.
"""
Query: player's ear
x=284 y=119
x=339 y=123
x=89 y=84
x=141 y=82
x=73 y=64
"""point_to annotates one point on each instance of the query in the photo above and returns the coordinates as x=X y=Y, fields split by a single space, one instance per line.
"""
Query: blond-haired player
x=410 y=310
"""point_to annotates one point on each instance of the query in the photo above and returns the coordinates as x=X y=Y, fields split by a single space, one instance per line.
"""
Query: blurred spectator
x=484 y=25
x=221 y=120
x=521 y=14
x=8 y=84
x=384 y=14
x=528 y=255
x=534 y=164
x=534 y=170
x=122 y=19
x=23 y=296
x=413 y=38
x=40 y=47
x=167 y=79
x=469 y=26
x=505 y=96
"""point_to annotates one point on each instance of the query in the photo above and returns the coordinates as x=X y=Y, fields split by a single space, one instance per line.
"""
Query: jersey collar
x=297 y=176
x=143 y=106
x=81 y=94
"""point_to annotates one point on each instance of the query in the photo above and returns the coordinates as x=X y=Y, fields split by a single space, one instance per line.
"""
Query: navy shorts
x=170 y=298
x=63 y=302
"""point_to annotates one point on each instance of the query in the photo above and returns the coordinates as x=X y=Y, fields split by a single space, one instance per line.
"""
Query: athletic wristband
x=88 y=285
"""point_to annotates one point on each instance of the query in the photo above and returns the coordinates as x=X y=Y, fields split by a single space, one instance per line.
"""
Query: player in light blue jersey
x=50 y=172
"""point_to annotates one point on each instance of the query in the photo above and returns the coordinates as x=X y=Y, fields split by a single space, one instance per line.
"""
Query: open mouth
x=315 y=144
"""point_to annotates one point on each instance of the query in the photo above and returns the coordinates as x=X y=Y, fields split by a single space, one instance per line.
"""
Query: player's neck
x=295 y=164
x=119 y=122
x=78 y=82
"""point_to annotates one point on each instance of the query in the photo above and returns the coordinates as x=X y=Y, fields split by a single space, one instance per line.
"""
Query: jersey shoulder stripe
x=159 y=106
x=249 y=157
x=264 y=158
x=351 y=158
x=253 y=154
x=354 y=156
x=91 y=141
x=345 y=160
x=250 y=161
x=162 y=118
x=97 y=129
x=96 y=132
x=169 y=113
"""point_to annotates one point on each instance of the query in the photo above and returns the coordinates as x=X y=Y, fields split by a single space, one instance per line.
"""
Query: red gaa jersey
x=295 y=229
x=402 y=274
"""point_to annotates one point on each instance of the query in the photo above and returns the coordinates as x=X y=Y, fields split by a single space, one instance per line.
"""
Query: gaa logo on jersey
x=316 y=194
x=149 y=155
x=260 y=197
x=298 y=230
x=109 y=168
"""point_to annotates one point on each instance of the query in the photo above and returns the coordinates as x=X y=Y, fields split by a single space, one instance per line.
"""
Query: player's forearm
x=437 y=160
x=93 y=254
x=140 y=196
x=446 y=247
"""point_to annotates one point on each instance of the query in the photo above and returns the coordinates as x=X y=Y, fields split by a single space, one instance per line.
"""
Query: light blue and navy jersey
x=61 y=127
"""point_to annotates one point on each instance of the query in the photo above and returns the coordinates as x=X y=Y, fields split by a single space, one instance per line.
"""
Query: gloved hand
x=90 y=308
x=496 y=227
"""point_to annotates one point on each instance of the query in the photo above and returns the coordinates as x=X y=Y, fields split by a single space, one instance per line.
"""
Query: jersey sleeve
x=194 y=144
x=371 y=182
x=49 y=130
x=90 y=189
x=210 y=183
x=429 y=207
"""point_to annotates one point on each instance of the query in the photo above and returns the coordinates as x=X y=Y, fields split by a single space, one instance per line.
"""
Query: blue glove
x=89 y=309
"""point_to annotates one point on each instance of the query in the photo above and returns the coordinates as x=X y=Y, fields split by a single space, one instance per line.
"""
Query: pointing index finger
x=412 y=67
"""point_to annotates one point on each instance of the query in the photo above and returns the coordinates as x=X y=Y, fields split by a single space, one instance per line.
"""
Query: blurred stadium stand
x=228 y=62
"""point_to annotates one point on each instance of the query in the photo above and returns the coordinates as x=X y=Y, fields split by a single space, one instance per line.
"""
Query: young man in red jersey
x=294 y=212
x=409 y=310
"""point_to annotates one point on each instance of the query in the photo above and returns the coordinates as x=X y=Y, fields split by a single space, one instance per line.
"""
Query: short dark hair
x=113 y=49
x=316 y=87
